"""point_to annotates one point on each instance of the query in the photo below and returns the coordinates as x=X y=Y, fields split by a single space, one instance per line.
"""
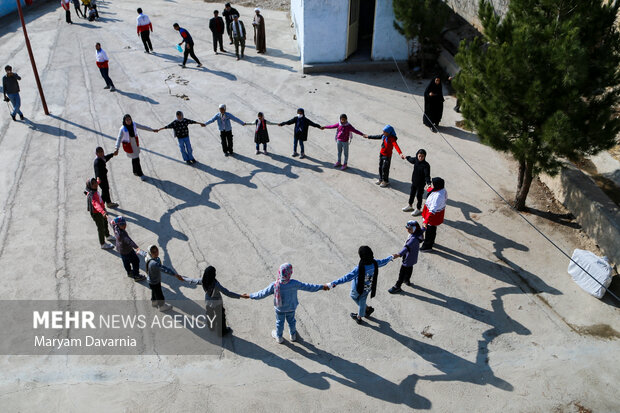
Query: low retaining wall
x=598 y=215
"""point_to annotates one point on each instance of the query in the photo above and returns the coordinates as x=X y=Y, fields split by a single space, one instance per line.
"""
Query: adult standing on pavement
x=128 y=137
x=228 y=14
x=66 y=4
x=433 y=104
x=259 y=32
x=238 y=35
x=189 y=44
x=216 y=25
x=101 y=173
x=102 y=64
x=144 y=30
x=10 y=88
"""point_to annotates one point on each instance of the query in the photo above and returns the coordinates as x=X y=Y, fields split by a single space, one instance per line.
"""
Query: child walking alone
x=344 y=135
x=388 y=142
x=364 y=278
x=285 y=300
x=261 y=135
x=409 y=254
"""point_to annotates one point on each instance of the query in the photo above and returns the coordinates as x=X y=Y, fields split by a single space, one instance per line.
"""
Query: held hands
x=179 y=277
x=203 y=125
x=326 y=287
x=365 y=136
x=402 y=156
x=246 y=296
x=116 y=152
x=394 y=256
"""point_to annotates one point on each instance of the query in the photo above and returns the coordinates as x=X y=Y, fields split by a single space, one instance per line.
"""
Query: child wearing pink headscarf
x=285 y=300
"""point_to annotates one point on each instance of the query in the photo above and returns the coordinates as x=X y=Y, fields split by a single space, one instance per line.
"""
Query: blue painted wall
x=9 y=6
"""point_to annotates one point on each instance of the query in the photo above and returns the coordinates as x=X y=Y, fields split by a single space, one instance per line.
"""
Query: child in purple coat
x=409 y=254
x=344 y=135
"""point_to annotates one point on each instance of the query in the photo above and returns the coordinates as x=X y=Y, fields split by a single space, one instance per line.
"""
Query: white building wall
x=386 y=41
x=297 y=15
x=325 y=30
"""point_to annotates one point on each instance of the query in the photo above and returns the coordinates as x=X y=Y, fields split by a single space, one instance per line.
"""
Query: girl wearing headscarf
x=261 y=134
x=409 y=254
x=96 y=207
x=364 y=278
x=128 y=137
x=300 y=133
x=433 y=104
x=388 y=142
x=344 y=135
x=213 y=299
x=433 y=212
x=285 y=300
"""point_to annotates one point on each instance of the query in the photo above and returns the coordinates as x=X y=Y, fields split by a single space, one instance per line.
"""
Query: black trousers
x=137 y=168
x=384 y=168
x=404 y=275
x=219 y=323
x=218 y=38
x=239 y=42
x=429 y=237
x=78 y=9
x=189 y=52
x=104 y=74
x=68 y=16
x=102 y=226
x=227 y=141
x=105 y=190
x=417 y=190
x=146 y=40
x=157 y=295
x=131 y=262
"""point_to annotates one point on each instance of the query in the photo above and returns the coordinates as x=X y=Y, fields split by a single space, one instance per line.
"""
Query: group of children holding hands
x=364 y=276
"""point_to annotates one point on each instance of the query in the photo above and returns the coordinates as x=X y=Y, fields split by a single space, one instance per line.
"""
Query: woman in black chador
x=433 y=104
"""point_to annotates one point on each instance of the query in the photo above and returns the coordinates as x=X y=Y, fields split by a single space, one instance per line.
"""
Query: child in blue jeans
x=364 y=278
x=285 y=300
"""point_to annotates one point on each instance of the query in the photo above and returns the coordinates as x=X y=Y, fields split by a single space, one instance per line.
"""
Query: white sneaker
x=111 y=238
x=408 y=208
x=294 y=337
x=384 y=184
x=379 y=182
x=107 y=246
x=280 y=340
x=165 y=307
x=416 y=212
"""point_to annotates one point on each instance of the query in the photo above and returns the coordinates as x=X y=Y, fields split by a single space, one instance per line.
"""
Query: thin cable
x=493 y=189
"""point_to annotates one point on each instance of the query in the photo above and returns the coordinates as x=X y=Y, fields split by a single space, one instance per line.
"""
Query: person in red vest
x=102 y=64
x=433 y=212
x=66 y=4
x=144 y=30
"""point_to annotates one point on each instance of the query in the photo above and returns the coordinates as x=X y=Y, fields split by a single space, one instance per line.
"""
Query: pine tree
x=423 y=20
x=543 y=82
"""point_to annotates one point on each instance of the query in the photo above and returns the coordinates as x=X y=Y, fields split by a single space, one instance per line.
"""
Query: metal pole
x=34 y=65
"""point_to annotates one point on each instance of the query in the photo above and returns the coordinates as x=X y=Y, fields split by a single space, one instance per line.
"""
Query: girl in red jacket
x=433 y=212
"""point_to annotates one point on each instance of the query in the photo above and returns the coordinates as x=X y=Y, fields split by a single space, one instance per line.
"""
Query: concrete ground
x=506 y=328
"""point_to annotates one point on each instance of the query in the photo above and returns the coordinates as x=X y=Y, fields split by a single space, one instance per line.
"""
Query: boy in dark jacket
x=101 y=173
x=388 y=142
x=409 y=254
x=154 y=268
x=181 y=132
x=420 y=177
x=300 y=134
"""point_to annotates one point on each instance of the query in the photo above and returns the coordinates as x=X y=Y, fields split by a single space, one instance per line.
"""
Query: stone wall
x=468 y=9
